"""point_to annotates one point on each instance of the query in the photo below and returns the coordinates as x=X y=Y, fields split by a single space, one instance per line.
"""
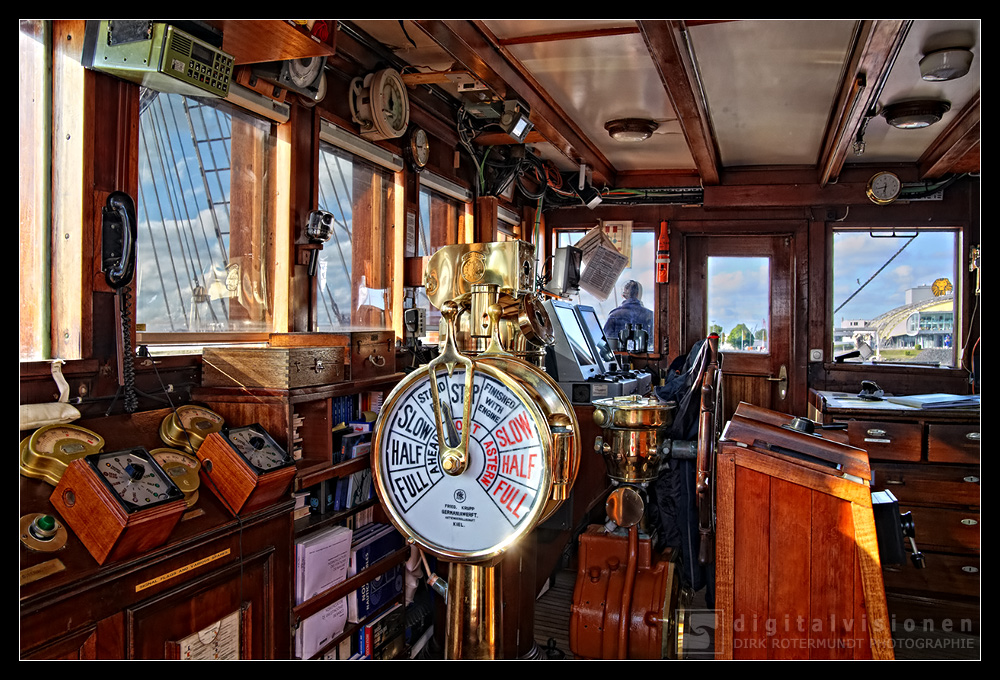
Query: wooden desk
x=929 y=460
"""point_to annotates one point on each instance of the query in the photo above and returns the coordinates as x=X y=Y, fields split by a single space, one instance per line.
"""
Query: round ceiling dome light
x=915 y=114
x=947 y=64
x=630 y=129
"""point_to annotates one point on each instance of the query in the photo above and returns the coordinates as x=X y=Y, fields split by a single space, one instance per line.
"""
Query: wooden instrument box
x=272 y=367
x=797 y=564
x=372 y=354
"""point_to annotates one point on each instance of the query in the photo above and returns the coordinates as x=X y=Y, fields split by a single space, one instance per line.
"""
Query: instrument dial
x=135 y=478
x=50 y=448
x=478 y=508
x=258 y=448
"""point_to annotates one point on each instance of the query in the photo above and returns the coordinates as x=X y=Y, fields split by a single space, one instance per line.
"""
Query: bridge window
x=894 y=296
x=205 y=211
x=640 y=268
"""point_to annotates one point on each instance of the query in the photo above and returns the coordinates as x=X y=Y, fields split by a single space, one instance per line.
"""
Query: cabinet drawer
x=934 y=485
x=886 y=441
x=944 y=575
x=953 y=443
x=945 y=529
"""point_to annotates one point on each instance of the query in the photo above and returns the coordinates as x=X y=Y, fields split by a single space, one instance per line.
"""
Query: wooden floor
x=552 y=611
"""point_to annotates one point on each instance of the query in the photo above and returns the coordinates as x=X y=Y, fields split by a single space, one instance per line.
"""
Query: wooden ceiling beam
x=869 y=63
x=475 y=49
x=953 y=149
x=668 y=46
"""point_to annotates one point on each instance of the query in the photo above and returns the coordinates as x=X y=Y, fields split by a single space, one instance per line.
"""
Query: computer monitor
x=598 y=341
x=571 y=357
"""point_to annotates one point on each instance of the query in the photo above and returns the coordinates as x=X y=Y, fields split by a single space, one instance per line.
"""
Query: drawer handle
x=973 y=437
x=317 y=366
x=876 y=432
x=969 y=522
x=377 y=360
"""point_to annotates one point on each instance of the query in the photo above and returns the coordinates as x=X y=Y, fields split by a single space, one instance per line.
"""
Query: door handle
x=782 y=381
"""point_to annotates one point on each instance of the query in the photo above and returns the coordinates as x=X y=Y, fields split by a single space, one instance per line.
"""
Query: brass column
x=474 y=626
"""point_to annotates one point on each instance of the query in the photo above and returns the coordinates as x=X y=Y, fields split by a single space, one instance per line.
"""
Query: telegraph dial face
x=498 y=496
x=135 y=478
x=258 y=448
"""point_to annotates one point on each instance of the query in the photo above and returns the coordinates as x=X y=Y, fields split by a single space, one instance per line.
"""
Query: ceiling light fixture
x=946 y=64
x=913 y=115
x=630 y=129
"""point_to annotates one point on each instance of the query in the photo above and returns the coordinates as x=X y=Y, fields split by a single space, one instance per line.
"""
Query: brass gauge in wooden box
x=245 y=467
x=118 y=503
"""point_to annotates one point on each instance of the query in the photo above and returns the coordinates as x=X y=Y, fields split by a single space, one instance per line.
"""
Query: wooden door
x=742 y=287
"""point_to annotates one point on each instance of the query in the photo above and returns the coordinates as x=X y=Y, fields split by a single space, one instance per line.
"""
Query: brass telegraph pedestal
x=476 y=448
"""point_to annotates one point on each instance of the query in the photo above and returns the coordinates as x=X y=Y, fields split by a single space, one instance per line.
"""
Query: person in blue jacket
x=630 y=311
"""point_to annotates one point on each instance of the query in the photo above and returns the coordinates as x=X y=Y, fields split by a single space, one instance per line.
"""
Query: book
x=936 y=400
x=340 y=493
x=372 y=547
x=320 y=629
x=359 y=488
x=321 y=561
x=371 y=596
x=354 y=444
x=322 y=497
x=375 y=635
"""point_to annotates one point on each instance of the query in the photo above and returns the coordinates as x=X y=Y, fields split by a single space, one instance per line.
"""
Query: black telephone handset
x=118 y=243
x=118 y=238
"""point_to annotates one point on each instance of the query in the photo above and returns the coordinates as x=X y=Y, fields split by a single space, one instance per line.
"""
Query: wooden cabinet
x=930 y=461
x=212 y=569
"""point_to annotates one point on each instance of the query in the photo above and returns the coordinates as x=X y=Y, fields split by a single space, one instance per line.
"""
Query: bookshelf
x=302 y=420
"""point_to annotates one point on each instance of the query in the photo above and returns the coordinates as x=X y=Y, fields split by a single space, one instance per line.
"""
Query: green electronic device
x=158 y=56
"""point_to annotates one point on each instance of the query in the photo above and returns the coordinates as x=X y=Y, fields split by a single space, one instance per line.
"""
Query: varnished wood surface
x=261 y=40
x=206 y=544
x=797 y=572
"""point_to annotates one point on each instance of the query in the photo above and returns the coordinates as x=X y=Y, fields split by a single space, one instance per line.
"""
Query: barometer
x=118 y=503
x=245 y=467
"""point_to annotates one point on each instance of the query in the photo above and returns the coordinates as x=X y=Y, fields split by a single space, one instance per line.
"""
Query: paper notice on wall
x=219 y=642
x=602 y=263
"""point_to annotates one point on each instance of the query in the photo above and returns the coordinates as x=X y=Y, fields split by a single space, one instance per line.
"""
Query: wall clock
x=883 y=188
x=418 y=148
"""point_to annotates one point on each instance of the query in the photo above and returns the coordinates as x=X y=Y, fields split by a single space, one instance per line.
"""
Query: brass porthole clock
x=469 y=456
x=418 y=148
x=883 y=188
